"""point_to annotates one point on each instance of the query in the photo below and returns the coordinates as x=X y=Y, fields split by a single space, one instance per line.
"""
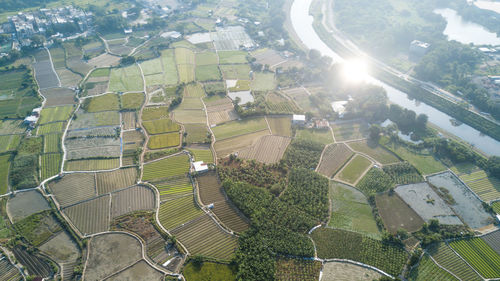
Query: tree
x=422 y=120
x=375 y=131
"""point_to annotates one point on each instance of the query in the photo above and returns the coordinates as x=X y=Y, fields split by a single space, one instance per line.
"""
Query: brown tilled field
x=211 y=191
x=139 y=271
x=396 y=214
x=268 y=149
x=110 y=181
x=137 y=198
x=73 y=188
x=219 y=117
x=280 y=125
x=104 y=60
x=90 y=216
x=109 y=253
x=231 y=145
x=334 y=157
x=129 y=120
x=347 y=271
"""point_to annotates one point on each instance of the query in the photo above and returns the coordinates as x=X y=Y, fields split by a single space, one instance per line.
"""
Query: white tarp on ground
x=245 y=96
x=199 y=38
x=231 y=38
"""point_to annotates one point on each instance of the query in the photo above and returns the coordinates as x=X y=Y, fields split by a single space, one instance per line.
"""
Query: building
x=298 y=120
x=321 y=124
x=339 y=107
x=36 y=111
x=200 y=167
x=31 y=120
x=419 y=48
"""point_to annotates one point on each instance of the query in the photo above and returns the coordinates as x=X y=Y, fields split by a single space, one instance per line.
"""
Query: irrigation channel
x=302 y=23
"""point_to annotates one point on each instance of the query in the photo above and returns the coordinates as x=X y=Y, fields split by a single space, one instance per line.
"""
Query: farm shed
x=31 y=120
x=200 y=167
x=298 y=119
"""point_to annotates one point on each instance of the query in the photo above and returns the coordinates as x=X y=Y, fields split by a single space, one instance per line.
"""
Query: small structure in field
x=200 y=167
x=419 y=48
x=31 y=120
x=321 y=124
x=298 y=119
x=36 y=111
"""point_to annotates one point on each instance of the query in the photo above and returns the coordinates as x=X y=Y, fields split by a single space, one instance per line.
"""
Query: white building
x=298 y=119
x=419 y=48
x=200 y=167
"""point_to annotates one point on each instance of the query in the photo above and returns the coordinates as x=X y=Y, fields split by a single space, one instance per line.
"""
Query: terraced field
x=169 y=167
x=176 y=212
x=334 y=157
x=90 y=216
x=111 y=181
x=137 y=198
x=446 y=258
x=479 y=255
x=202 y=236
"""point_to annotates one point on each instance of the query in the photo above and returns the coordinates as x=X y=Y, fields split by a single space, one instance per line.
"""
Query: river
x=302 y=23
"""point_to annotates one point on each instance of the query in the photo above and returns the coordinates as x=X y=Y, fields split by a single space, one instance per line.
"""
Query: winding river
x=302 y=23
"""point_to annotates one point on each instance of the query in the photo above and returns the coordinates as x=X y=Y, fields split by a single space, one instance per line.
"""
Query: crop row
x=493 y=239
x=118 y=179
x=174 y=187
x=137 y=198
x=446 y=258
x=50 y=164
x=73 y=188
x=176 y=212
x=90 y=216
x=92 y=164
x=428 y=270
x=169 y=167
x=333 y=159
x=164 y=140
x=479 y=255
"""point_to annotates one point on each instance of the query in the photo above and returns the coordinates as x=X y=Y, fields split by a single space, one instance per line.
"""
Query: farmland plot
x=196 y=133
x=129 y=120
x=280 y=125
x=139 y=271
x=24 y=204
x=375 y=151
x=190 y=116
x=333 y=158
x=323 y=136
x=488 y=188
x=164 y=140
x=424 y=162
x=169 y=67
x=132 y=101
x=154 y=113
x=94 y=132
x=396 y=214
x=223 y=116
x=136 y=198
x=493 y=240
x=160 y=126
x=202 y=236
x=50 y=165
x=85 y=120
x=234 y=144
x=93 y=152
x=288 y=269
x=58 y=96
x=4 y=173
x=176 y=212
x=353 y=170
x=127 y=79
x=465 y=204
x=8 y=127
x=52 y=143
x=212 y=270
x=427 y=203
x=56 y=127
x=73 y=188
x=111 y=181
x=238 y=128
x=53 y=114
x=263 y=81
x=38 y=228
x=349 y=131
x=44 y=72
x=169 y=167
x=190 y=104
x=279 y=104
x=479 y=255
x=445 y=257
x=34 y=264
x=132 y=140
x=428 y=270
x=109 y=253
x=268 y=149
x=232 y=57
x=403 y=173
x=92 y=164
x=107 y=102
x=61 y=248
x=235 y=71
x=8 y=271
x=90 y=216
x=95 y=88
x=174 y=187
x=205 y=73
x=104 y=60
x=204 y=155
x=9 y=142
x=346 y=271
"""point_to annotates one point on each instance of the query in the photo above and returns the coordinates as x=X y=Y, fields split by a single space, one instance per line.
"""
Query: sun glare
x=355 y=70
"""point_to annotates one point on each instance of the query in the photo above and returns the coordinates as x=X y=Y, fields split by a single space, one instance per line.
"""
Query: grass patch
x=204 y=155
x=321 y=136
x=375 y=151
x=240 y=127
x=209 y=271
x=38 y=228
x=354 y=169
x=235 y=71
x=425 y=163
x=100 y=72
x=208 y=73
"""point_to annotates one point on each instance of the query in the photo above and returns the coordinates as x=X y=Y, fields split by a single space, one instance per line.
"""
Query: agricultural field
x=232 y=57
x=139 y=271
x=209 y=271
x=268 y=149
x=111 y=181
x=333 y=158
x=109 y=253
x=34 y=264
x=280 y=125
x=263 y=81
x=445 y=257
x=279 y=104
x=464 y=202
x=44 y=73
x=375 y=181
x=487 y=188
x=223 y=116
x=211 y=191
x=425 y=201
x=179 y=211
x=92 y=133
x=288 y=269
x=190 y=104
x=52 y=143
x=347 y=271
x=204 y=155
x=186 y=73
x=53 y=114
x=126 y=79
x=129 y=120
x=164 y=141
x=496 y=207
x=425 y=163
x=206 y=58
x=61 y=248
x=108 y=102
x=10 y=272
x=428 y=270
x=349 y=131
x=160 y=126
x=58 y=96
x=375 y=151
x=169 y=67
x=169 y=167
x=16 y=102
x=196 y=133
x=403 y=173
x=174 y=187
x=333 y=243
x=190 y=116
x=154 y=113
x=56 y=127
x=25 y=204
x=92 y=164
x=351 y=211
x=479 y=255
x=493 y=240
x=133 y=199
x=38 y=228
x=205 y=73
x=238 y=128
x=90 y=216
x=322 y=136
x=89 y=120
x=354 y=169
x=396 y=214
x=73 y=188
x=235 y=71
x=4 y=173
x=202 y=236
x=234 y=144
x=10 y=127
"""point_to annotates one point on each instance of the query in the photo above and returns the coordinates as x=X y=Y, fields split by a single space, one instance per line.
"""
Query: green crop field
x=479 y=255
x=280 y=126
x=102 y=103
x=151 y=67
x=174 y=187
x=4 y=173
x=354 y=169
x=375 y=151
x=52 y=143
x=263 y=81
x=196 y=133
x=56 y=127
x=240 y=127
x=92 y=164
x=153 y=113
x=178 y=211
x=335 y=243
x=132 y=101
x=169 y=67
x=232 y=57
x=298 y=269
x=100 y=72
x=164 y=140
x=207 y=73
x=53 y=114
x=487 y=187
x=351 y=211
x=169 y=167
x=160 y=126
x=194 y=91
x=446 y=258
x=425 y=163
x=235 y=71
x=349 y=131
x=50 y=165
x=206 y=58
x=496 y=207
x=127 y=79
x=204 y=155
x=403 y=173
x=9 y=142
x=209 y=271
x=17 y=101
x=186 y=73
x=322 y=136
x=428 y=270
x=184 y=56
x=190 y=103
x=190 y=116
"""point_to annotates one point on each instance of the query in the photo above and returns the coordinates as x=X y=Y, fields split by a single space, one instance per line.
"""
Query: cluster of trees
x=108 y=21
x=303 y=154
x=433 y=232
x=278 y=224
x=16 y=5
x=369 y=102
x=407 y=120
